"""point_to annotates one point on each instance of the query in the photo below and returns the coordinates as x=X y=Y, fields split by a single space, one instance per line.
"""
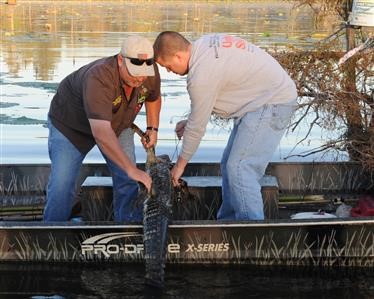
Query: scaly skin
x=157 y=213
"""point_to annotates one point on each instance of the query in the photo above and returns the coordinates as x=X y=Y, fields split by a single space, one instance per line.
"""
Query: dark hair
x=168 y=43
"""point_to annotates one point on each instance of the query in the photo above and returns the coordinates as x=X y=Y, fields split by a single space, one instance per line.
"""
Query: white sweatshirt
x=229 y=76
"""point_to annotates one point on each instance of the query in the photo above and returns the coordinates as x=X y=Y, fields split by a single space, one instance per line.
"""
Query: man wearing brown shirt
x=97 y=105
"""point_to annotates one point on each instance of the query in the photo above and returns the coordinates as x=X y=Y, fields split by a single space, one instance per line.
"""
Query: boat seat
x=192 y=181
x=216 y=181
x=98 y=181
x=98 y=189
x=210 y=186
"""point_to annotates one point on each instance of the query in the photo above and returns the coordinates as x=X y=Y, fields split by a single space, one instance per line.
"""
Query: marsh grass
x=23 y=250
x=5 y=247
x=95 y=204
x=299 y=250
x=22 y=198
x=19 y=185
x=326 y=179
x=196 y=206
x=294 y=248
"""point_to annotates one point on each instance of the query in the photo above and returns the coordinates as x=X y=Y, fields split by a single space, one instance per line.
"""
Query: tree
x=339 y=95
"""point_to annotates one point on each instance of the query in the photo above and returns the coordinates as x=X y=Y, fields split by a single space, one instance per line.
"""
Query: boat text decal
x=110 y=244
x=100 y=244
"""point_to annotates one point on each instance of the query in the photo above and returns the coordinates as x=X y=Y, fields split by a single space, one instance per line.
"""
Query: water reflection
x=38 y=32
x=43 y=41
x=127 y=281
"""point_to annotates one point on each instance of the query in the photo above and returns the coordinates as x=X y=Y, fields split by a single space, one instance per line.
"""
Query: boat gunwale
x=188 y=224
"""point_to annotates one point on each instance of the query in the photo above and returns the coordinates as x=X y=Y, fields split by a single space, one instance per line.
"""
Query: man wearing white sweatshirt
x=231 y=78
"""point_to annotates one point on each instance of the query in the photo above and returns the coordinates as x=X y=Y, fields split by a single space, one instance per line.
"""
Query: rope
x=176 y=140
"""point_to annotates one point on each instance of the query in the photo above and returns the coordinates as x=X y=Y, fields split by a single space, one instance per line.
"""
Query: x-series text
x=100 y=245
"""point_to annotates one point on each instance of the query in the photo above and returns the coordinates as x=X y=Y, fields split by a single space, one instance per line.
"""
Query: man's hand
x=152 y=136
x=179 y=128
x=177 y=171
x=108 y=142
x=140 y=176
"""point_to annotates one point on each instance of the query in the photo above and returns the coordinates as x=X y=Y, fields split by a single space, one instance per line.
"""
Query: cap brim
x=139 y=70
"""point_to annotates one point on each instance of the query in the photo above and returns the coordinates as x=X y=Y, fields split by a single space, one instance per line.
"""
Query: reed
x=196 y=206
x=19 y=185
x=23 y=249
x=4 y=247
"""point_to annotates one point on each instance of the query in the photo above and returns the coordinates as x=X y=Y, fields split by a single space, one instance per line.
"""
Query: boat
x=316 y=189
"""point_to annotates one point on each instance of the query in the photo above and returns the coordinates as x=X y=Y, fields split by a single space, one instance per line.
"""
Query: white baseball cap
x=138 y=54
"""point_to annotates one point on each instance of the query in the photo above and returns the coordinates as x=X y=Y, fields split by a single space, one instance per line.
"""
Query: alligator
x=157 y=213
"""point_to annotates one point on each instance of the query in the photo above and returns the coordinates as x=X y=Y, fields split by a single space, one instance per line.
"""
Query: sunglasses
x=137 y=61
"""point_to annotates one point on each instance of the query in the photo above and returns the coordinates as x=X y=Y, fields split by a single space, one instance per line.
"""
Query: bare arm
x=108 y=142
x=178 y=170
x=153 y=120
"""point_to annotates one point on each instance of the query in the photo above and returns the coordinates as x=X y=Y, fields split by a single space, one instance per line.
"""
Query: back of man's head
x=168 y=43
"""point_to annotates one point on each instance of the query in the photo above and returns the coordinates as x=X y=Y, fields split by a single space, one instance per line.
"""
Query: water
x=124 y=281
x=42 y=42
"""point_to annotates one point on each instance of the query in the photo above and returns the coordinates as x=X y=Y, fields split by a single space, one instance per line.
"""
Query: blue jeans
x=66 y=161
x=250 y=147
